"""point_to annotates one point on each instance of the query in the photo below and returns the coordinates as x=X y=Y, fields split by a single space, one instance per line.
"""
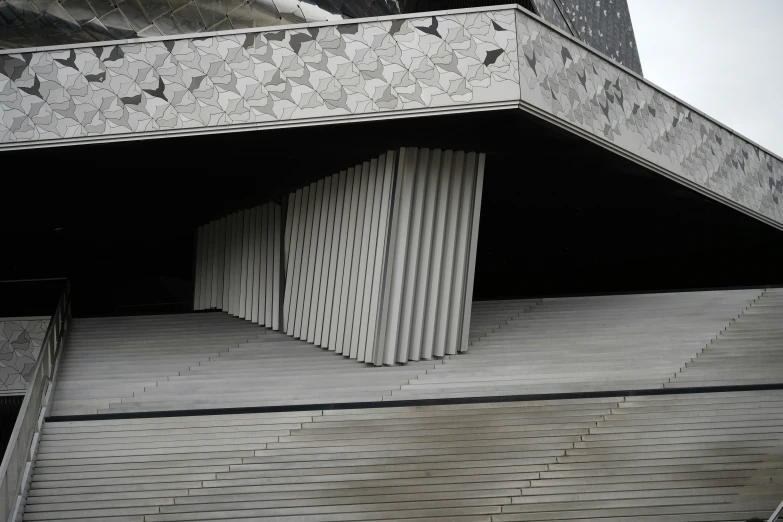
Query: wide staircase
x=694 y=458
x=205 y=361
x=208 y=417
x=748 y=351
x=581 y=344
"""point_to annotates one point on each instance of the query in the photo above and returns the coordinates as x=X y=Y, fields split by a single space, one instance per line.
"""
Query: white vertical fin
x=471 y=268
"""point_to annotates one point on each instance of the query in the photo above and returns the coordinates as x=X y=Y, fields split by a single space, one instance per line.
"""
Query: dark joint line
x=416 y=402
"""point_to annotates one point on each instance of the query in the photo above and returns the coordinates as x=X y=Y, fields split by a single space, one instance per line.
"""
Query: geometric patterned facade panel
x=604 y=25
x=20 y=346
x=31 y=23
x=488 y=58
x=585 y=91
x=258 y=78
x=552 y=12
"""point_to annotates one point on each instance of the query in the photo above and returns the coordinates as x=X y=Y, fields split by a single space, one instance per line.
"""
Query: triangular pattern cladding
x=30 y=23
x=592 y=94
x=20 y=346
x=604 y=25
x=553 y=12
x=261 y=77
x=378 y=68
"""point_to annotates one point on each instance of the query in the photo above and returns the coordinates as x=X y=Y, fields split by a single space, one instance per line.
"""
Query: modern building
x=376 y=261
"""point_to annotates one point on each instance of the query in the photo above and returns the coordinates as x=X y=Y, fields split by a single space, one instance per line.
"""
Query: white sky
x=721 y=56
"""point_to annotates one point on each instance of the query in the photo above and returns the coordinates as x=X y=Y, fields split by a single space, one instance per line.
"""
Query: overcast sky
x=721 y=56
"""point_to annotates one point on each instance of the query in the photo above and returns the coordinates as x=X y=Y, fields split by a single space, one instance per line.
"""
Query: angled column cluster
x=336 y=232
x=376 y=262
x=428 y=284
x=238 y=261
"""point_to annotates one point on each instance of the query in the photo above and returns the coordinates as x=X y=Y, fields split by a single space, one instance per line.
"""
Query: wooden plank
x=337 y=299
x=398 y=252
x=328 y=218
x=221 y=263
x=424 y=282
x=313 y=258
x=272 y=273
x=248 y=227
x=338 y=199
x=473 y=246
x=259 y=267
x=461 y=251
x=372 y=217
x=436 y=258
x=292 y=225
x=319 y=254
x=359 y=268
x=419 y=168
x=351 y=262
x=296 y=279
x=198 y=268
x=378 y=303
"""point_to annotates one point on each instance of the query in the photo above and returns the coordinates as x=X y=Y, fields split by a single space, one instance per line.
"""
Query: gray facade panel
x=22 y=24
x=587 y=92
x=552 y=12
x=20 y=347
x=253 y=78
x=605 y=25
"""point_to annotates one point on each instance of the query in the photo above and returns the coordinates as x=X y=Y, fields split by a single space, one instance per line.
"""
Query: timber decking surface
x=692 y=457
x=522 y=347
x=688 y=458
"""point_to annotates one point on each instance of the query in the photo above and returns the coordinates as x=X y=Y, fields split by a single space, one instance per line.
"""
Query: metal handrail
x=34 y=280
x=17 y=465
x=776 y=513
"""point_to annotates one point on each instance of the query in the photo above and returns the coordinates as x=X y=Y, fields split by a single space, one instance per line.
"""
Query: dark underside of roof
x=560 y=215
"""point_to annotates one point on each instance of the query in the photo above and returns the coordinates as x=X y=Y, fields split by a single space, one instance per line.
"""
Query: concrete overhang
x=498 y=58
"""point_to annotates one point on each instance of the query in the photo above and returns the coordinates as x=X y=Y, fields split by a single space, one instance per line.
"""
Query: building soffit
x=486 y=58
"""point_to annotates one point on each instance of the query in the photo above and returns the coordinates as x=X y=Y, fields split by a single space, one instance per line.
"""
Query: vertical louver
x=429 y=276
x=377 y=260
x=336 y=255
x=238 y=261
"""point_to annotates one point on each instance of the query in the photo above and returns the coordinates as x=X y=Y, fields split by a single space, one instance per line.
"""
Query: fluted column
x=375 y=262
x=238 y=265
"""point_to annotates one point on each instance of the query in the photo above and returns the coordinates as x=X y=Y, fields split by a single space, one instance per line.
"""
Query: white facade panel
x=338 y=191
x=363 y=288
x=327 y=222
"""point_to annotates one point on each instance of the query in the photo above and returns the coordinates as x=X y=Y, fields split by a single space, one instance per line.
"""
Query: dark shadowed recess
x=9 y=409
x=560 y=215
x=30 y=298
